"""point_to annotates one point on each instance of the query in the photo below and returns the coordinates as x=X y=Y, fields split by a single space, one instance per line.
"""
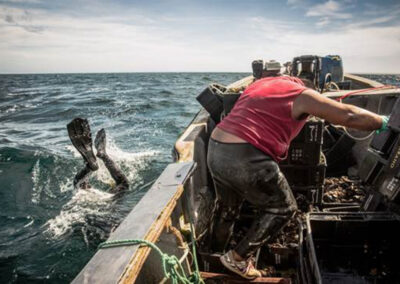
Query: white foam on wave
x=37 y=189
x=84 y=202
x=130 y=162
x=12 y=108
x=95 y=202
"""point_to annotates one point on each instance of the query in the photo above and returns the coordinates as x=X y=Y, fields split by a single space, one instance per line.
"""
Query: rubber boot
x=261 y=230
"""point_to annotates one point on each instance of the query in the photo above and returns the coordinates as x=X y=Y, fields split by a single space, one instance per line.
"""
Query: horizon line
x=148 y=72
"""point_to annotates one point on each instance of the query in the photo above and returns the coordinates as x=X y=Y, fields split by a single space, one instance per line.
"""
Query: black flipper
x=116 y=173
x=81 y=138
x=100 y=142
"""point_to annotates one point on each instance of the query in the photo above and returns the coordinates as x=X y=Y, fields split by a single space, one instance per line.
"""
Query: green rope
x=171 y=266
x=196 y=274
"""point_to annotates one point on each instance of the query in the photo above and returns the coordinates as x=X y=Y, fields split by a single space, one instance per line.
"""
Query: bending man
x=243 y=155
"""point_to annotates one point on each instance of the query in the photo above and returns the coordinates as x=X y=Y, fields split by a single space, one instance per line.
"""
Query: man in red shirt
x=243 y=155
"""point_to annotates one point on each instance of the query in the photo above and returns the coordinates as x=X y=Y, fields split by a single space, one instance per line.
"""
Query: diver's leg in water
x=81 y=178
x=81 y=137
x=116 y=173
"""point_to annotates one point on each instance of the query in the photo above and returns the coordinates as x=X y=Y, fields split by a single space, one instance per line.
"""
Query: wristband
x=384 y=127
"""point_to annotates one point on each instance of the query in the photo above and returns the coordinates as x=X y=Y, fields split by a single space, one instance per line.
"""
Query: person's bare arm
x=311 y=102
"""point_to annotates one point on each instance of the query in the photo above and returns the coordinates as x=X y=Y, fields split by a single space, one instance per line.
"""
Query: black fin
x=81 y=138
x=100 y=142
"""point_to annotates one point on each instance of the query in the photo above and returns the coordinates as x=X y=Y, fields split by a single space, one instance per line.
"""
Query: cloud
x=294 y=2
x=329 y=9
x=18 y=18
x=128 y=40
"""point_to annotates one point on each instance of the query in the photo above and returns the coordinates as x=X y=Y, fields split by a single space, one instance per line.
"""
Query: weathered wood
x=366 y=83
x=184 y=145
x=146 y=220
x=373 y=92
x=242 y=83
x=227 y=278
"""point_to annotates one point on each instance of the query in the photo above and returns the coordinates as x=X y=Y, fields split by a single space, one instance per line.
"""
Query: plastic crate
x=372 y=201
x=394 y=121
x=209 y=99
x=312 y=193
x=372 y=168
x=311 y=133
x=337 y=148
x=306 y=147
x=342 y=194
x=303 y=154
x=384 y=175
x=354 y=247
x=228 y=101
x=300 y=176
x=383 y=142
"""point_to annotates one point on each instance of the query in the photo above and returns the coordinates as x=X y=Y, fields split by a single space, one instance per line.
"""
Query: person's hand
x=384 y=127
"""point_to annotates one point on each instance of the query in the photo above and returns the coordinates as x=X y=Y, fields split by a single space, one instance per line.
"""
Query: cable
x=370 y=134
x=363 y=91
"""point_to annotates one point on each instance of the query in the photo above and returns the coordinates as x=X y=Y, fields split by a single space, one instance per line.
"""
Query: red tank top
x=263 y=115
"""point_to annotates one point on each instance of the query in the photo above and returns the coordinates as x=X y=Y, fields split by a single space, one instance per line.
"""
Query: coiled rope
x=170 y=263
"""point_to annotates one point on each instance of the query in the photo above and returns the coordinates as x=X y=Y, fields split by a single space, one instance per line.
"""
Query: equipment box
x=352 y=248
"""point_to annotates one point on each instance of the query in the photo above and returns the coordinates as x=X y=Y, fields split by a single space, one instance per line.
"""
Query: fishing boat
x=343 y=241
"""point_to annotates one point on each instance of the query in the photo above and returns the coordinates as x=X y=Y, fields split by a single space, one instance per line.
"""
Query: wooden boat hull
x=162 y=214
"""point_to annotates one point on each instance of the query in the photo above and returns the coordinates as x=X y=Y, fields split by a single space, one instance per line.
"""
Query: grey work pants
x=242 y=172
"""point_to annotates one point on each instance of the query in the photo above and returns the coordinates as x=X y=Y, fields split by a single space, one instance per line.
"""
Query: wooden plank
x=363 y=80
x=147 y=219
x=135 y=265
x=390 y=91
x=227 y=278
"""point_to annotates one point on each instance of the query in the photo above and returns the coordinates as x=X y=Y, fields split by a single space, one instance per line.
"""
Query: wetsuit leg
x=81 y=178
x=116 y=173
x=81 y=137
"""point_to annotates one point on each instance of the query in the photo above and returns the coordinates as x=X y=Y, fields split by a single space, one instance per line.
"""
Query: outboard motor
x=307 y=67
x=319 y=70
x=331 y=70
x=271 y=68
x=257 y=66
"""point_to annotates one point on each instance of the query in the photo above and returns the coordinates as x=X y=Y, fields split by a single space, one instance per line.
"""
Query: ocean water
x=49 y=230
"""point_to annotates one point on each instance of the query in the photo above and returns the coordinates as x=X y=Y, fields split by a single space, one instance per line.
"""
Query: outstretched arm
x=311 y=102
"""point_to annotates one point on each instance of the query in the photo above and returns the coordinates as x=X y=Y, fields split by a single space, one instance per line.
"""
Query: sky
x=63 y=36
